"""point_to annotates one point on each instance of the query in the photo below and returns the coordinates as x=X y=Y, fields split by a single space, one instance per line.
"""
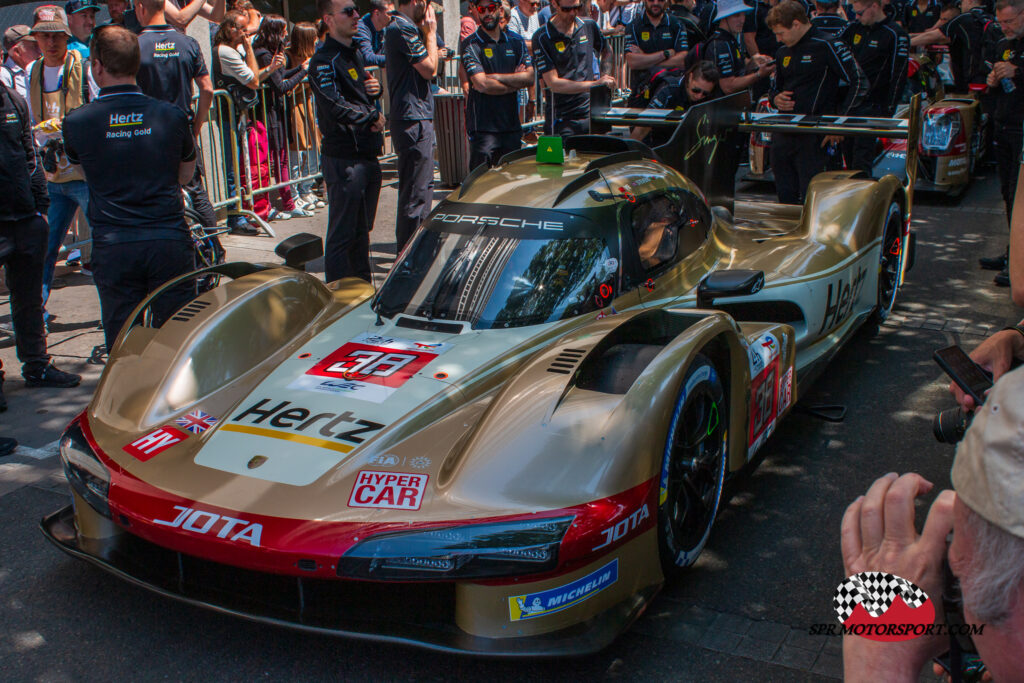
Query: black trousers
x=414 y=145
x=861 y=150
x=795 y=160
x=353 y=188
x=197 y=193
x=564 y=127
x=1008 y=141
x=126 y=272
x=24 y=268
x=488 y=148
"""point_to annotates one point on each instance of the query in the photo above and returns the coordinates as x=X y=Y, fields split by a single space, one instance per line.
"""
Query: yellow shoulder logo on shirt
x=560 y=46
x=645 y=36
x=354 y=74
x=488 y=52
x=913 y=13
x=785 y=60
x=856 y=39
x=1007 y=55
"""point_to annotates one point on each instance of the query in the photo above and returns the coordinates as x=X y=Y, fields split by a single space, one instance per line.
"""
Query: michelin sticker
x=370 y=367
x=553 y=600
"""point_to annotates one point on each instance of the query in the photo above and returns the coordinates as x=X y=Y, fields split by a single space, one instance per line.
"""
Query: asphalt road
x=742 y=613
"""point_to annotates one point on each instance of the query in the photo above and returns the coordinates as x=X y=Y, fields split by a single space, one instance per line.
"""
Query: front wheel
x=693 y=467
x=889 y=263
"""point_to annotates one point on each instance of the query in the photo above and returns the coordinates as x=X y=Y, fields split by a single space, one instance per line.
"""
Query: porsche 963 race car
x=510 y=446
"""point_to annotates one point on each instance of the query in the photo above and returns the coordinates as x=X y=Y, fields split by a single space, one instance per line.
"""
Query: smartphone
x=973 y=379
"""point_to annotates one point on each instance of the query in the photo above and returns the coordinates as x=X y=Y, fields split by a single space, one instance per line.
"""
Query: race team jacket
x=1010 y=105
x=723 y=49
x=881 y=50
x=966 y=43
x=815 y=70
x=830 y=24
x=344 y=111
x=21 y=173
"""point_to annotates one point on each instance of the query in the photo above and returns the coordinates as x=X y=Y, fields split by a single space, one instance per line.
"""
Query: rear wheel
x=889 y=263
x=693 y=467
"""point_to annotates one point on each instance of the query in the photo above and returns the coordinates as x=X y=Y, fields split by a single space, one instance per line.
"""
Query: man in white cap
x=986 y=516
x=738 y=71
x=20 y=51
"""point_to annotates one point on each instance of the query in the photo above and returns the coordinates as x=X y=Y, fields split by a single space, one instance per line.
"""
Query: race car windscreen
x=499 y=271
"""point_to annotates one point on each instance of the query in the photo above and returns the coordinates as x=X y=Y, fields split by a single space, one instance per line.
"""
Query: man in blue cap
x=81 y=21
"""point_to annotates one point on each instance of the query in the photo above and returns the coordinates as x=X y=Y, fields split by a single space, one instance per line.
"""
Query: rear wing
x=706 y=143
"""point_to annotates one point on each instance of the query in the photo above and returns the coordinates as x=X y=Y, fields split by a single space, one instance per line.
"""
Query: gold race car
x=953 y=135
x=511 y=445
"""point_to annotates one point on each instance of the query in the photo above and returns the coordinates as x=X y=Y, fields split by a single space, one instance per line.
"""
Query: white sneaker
x=312 y=200
x=302 y=212
x=276 y=215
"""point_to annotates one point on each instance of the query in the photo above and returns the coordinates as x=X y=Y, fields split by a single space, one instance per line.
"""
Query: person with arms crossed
x=170 y=62
x=654 y=40
x=497 y=65
x=881 y=48
x=410 y=47
x=352 y=134
x=135 y=152
x=811 y=67
x=565 y=50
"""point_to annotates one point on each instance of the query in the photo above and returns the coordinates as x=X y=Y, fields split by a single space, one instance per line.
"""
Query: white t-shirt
x=524 y=25
x=232 y=64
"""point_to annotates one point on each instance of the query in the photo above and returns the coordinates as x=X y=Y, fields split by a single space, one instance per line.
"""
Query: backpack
x=652 y=82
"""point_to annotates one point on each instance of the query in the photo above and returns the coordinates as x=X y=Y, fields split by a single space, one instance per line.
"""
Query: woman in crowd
x=303 y=135
x=274 y=105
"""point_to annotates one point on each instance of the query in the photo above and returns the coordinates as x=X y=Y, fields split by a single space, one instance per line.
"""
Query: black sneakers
x=1002 y=278
x=50 y=376
x=993 y=262
x=7 y=445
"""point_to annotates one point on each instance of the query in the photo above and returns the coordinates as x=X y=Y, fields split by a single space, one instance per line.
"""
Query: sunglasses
x=571 y=8
x=487 y=9
x=699 y=92
x=349 y=11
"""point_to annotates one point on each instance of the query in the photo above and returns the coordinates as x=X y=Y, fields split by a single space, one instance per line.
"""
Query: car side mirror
x=300 y=249
x=726 y=283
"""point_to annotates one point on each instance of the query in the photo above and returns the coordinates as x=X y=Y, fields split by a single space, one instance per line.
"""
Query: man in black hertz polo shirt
x=497 y=65
x=565 y=52
x=170 y=63
x=881 y=48
x=654 y=40
x=351 y=128
x=410 y=53
x=135 y=152
x=810 y=69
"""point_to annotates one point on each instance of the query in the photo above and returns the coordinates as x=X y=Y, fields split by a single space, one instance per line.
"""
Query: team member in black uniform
x=738 y=71
x=685 y=11
x=497 y=65
x=170 y=63
x=758 y=39
x=920 y=15
x=23 y=230
x=654 y=40
x=136 y=152
x=827 y=18
x=881 y=48
x=565 y=50
x=411 y=60
x=698 y=84
x=1006 y=81
x=964 y=33
x=811 y=69
x=352 y=140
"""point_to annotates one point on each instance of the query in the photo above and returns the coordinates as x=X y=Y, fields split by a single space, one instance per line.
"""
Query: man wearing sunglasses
x=654 y=40
x=697 y=85
x=410 y=51
x=497 y=64
x=881 y=48
x=351 y=126
x=565 y=51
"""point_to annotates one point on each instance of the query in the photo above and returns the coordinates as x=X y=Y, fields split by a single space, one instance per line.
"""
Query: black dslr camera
x=53 y=152
x=949 y=425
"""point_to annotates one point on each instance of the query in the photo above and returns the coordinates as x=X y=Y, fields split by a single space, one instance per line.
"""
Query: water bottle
x=1007 y=84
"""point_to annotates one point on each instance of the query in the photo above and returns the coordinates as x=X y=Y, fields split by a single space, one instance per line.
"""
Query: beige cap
x=16 y=34
x=988 y=472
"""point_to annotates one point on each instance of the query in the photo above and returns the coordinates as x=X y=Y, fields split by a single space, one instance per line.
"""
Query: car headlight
x=940 y=129
x=471 y=551
x=89 y=478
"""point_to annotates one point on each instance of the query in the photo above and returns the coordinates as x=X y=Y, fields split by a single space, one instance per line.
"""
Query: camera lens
x=949 y=425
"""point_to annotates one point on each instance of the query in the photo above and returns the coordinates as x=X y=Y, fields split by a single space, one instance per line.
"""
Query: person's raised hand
x=995 y=354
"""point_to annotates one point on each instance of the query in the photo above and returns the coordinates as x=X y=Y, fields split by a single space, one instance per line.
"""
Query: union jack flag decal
x=196 y=422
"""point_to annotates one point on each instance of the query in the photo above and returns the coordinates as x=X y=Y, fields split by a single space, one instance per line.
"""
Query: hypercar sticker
x=154 y=443
x=202 y=522
x=196 y=422
x=388 y=490
x=369 y=368
x=533 y=605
